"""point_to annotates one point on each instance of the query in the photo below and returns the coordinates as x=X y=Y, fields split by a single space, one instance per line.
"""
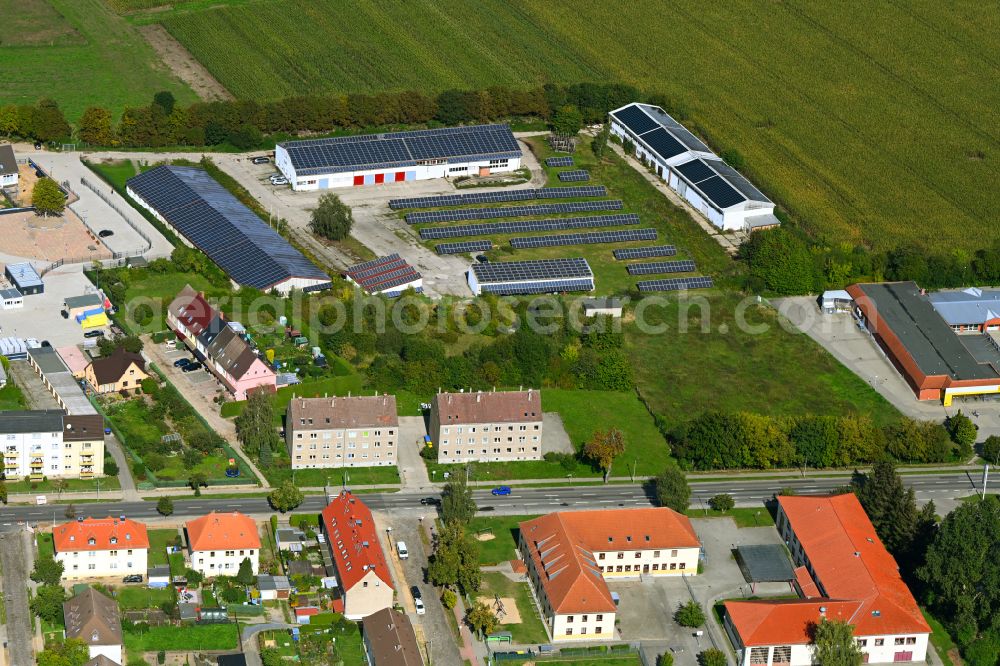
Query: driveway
x=412 y=470
x=16 y=558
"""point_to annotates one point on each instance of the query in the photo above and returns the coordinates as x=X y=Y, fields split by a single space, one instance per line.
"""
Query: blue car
x=501 y=490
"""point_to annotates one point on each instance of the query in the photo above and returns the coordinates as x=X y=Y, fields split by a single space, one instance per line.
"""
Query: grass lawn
x=314 y=478
x=48 y=487
x=531 y=629
x=158 y=542
x=45 y=548
x=742 y=516
x=11 y=397
x=81 y=54
x=177 y=564
x=188 y=637
x=505 y=531
x=940 y=638
x=681 y=374
x=582 y=413
x=630 y=660
x=308 y=389
x=142 y=597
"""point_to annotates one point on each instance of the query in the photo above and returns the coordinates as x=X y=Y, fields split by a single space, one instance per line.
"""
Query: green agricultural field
x=872 y=124
x=79 y=53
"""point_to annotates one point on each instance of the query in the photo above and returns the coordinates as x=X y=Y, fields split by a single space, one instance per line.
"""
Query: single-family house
x=93 y=618
x=121 y=371
x=219 y=542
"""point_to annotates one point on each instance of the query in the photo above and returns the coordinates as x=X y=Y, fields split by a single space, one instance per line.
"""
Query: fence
x=118 y=209
x=593 y=653
x=117 y=259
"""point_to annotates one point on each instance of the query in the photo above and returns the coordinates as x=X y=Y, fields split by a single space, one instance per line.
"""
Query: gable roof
x=391 y=639
x=488 y=407
x=93 y=618
x=222 y=531
x=852 y=571
x=351 y=412
x=101 y=660
x=353 y=540
x=192 y=310
x=105 y=533
x=967 y=306
x=8 y=163
x=110 y=369
x=562 y=545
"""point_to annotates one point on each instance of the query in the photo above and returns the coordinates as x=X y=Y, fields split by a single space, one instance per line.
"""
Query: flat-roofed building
x=360 y=431
x=487 y=426
x=844 y=573
x=59 y=380
x=98 y=547
x=570 y=554
x=25 y=278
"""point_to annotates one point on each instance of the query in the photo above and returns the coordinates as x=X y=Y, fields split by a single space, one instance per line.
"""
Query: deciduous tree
x=603 y=447
x=165 y=506
x=255 y=425
x=722 y=502
x=48 y=602
x=672 y=489
x=332 y=218
x=94 y=127
x=991 y=450
x=285 y=497
x=890 y=506
x=963 y=432
x=834 y=644
x=70 y=652
x=712 y=657
x=690 y=614
x=47 y=571
x=457 y=504
x=47 y=198
x=481 y=618
x=567 y=121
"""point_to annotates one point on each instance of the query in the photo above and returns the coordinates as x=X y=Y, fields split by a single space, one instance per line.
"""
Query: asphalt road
x=16 y=565
x=937 y=486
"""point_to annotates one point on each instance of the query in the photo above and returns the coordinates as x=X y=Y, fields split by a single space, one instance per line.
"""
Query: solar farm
x=530 y=238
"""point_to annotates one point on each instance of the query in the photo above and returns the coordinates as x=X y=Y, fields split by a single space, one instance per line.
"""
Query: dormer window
x=91 y=541
x=114 y=539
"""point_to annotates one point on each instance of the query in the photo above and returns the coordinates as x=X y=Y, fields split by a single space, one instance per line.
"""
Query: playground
x=505 y=609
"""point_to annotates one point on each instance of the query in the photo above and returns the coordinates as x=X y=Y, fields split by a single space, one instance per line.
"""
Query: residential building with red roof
x=98 y=547
x=221 y=345
x=569 y=555
x=487 y=426
x=219 y=542
x=362 y=569
x=844 y=573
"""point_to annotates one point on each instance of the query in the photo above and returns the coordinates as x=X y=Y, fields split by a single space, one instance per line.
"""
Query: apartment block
x=487 y=426
x=98 y=547
x=219 y=542
x=360 y=431
x=53 y=444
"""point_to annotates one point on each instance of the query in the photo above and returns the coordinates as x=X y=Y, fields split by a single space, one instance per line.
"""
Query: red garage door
x=359 y=180
x=400 y=176
x=380 y=178
x=903 y=656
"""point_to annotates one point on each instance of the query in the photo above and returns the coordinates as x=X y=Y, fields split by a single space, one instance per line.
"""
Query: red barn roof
x=353 y=540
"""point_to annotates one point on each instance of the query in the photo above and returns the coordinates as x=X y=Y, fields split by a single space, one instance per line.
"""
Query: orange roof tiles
x=806 y=583
x=222 y=531
x=99 y=534
x=353 y=540
x=562 y=544
x=850 y=566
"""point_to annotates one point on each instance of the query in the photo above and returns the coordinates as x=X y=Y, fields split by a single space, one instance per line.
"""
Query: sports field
x=79 y=53
x=873 y=122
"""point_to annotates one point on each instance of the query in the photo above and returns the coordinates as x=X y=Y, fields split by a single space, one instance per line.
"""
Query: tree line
x=786 y=261
x=742 y=440
x=248 y=124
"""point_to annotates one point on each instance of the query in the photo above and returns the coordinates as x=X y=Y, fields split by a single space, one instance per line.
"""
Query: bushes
x=720 y=440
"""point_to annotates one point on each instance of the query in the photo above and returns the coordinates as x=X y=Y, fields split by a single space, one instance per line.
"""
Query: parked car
x=181 y=362
x=260 y=160
x=501 y=490
x=279 y=181
x=430 y=501
x=132 y=578
x=191 y=367
x=104 y=233
x=94 y=334
x=482 y=258
x=401 y=549
x=64 y=313
x=418 y=603
x=415 y=591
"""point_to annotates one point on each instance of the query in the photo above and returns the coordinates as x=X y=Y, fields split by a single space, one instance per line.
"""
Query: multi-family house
x=53 y=444
x=487 y=426
x=219 y=542
x=390 y=639
x=98 y=547
x=93 y=618
x=360 y=431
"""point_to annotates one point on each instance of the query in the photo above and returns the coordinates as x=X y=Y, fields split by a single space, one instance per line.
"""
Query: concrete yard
x=40 y=317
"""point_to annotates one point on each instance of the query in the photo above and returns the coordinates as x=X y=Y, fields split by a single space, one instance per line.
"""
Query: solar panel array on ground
x=510 y=211
x=653 y=268
x=499 y=197
x=468 y=246
x=555 y=224
x=578 y=175
x=675 y=284
x=559 y=161
x=213 y=220
x=397 y=149
x=382 y=274
x=645 y=252
x=590 y=238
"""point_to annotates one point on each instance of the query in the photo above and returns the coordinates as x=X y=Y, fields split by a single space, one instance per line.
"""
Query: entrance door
x=645 y=568
x=400 y=176
x=379 y=178
x=359 y=180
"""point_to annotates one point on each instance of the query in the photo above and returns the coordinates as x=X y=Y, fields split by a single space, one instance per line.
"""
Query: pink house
x=221 y=345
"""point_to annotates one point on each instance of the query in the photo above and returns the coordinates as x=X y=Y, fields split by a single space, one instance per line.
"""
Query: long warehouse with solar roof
x=211 y=219
x=373 y=159
x=684 y=162
x=538 y=276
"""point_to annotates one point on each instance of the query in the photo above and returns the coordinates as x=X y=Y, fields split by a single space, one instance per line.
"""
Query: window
x=673 y=553
x=758 y=655
x=569 y=631
x=911 y=640
x=601 y=556
x=898 y=641
x=628 y=567
x=656 y=553
x=879 y=642
x=618 y=569
x=569 y=618
x=782 y=654
x=862 y=642
x=683 y=566
x=600 y=618
x=621 y=556
x=673 y=566
x=638 y=555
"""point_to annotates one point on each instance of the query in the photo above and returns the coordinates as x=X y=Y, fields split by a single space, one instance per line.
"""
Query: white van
x=401 y=550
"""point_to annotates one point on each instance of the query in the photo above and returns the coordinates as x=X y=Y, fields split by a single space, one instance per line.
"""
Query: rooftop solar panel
x=460 y=248
x=574 y=176
x=662 y=143
x=645 y=252
x=720 y=192
x=657 y=267
x=493 y=228
x=547 y=287
x=695 y=171
x=536 y=269
x=424 y=216
x=559 y=161
x=736 y=179
x=212 y=219
x=500 y=196
x=589 y=238
x=675 y=284
x=679 y=131
x=635 y=119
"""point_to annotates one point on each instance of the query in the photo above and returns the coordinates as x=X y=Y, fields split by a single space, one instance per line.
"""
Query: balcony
x=86 y=472
x=37 y=464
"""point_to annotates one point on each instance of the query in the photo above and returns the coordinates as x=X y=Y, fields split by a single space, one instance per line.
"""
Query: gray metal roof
x=8 y=163
x=41 y=420
x=47 y=360
x=266 y=582
x=9 y=294
x=767 y=563
x=24 y=275
x=83 y=301
x=967 y=306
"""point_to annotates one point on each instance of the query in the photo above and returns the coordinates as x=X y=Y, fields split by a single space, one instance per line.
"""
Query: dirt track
x=183 y=65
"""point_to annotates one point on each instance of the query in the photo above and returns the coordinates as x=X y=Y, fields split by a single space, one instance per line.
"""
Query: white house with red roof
x=844 y=573
x=219 y=542
x=98 y=547
x=569 y=555
x=362 y=569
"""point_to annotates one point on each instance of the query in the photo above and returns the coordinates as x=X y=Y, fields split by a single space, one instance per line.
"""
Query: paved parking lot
x=40 y=318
